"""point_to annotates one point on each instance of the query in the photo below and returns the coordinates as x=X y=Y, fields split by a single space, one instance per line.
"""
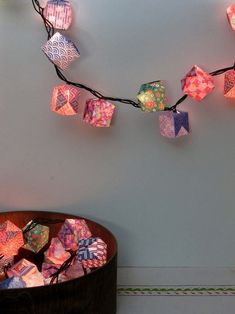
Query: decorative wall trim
x=193 y=281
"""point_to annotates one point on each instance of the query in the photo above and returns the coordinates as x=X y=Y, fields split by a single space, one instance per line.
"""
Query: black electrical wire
x=50 y=32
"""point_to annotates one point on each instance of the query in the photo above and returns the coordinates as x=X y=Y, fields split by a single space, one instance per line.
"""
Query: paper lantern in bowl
x=174 y=124
x=229 y=84
x=92 y=252
x=65 y=100
x=151 y=96
x=98 y=113
x=11 y=239
x=35 y=236
x=231 y=15
x=197 y=83
x=59 y=13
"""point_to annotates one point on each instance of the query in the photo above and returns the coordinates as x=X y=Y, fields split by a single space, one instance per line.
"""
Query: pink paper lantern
x=59 y=13
x=65 y=100
x=197 y=83
x=231 y=15
x=28 y=272
x=229 y=84
x=56 y=253
x=174 y=124
x=73 y=230
x=98 y=113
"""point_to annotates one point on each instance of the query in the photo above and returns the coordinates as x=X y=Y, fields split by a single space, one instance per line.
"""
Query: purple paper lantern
x=174 y=124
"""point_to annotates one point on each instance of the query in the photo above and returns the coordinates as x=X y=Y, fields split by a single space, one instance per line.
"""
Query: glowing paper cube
x=65 y=100
x=60 y=50
x=36 y=238
x=98 y=113
x=174 y=124
x=59 y=13
x=73 y=230
x=197 y=83
x=12 y=283
x=56 y=253
x=28 y=273
x=229 y=84
x=152 y=97
x=11 y=239
x=92 y=252
x=231 y=15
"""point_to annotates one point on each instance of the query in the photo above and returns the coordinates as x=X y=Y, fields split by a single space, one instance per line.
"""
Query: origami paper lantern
x=231 y=15
x=72 y=272
x=197 y=83
x=12 y=283
x=98 y=113
x=36 y=238
x=59 y=13
x=229 y=84
x=71 y=231
x=152 y=97
x=28 y=273
x=174 y=124
x=92 y=252
x=60 y=50
x=11 y=239
x=65 y=100
x=56 y=253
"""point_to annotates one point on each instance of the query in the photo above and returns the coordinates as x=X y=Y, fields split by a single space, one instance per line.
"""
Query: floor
x=176 y=304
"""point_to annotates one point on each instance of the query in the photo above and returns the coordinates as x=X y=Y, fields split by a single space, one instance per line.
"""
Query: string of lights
x=57 y=14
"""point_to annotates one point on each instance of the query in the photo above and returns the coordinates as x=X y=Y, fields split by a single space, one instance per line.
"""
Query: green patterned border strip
x=176 y=291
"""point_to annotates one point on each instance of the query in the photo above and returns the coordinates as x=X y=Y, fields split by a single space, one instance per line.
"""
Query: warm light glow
x=229 y=84
x=151 y=96
x=59 y=13
x=11 y=239
x=174 y=124
x=28 y=272
x=65 y=100
x=231 y=15
x=98 y=113
x=197 y=83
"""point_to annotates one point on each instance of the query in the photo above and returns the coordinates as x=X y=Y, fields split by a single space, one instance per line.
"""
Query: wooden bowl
x=94 y=293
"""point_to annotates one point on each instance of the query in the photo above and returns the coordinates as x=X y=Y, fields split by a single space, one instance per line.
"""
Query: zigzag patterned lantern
x=92 y=252
x=65 y=100
x=197 y=83
x=59 y=13
x=229 y=84
x=174 y=124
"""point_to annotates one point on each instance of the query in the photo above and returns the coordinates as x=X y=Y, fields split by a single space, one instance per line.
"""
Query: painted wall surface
x=169 y=203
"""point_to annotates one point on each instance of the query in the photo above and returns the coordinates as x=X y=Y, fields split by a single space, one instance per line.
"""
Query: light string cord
x=50 y=32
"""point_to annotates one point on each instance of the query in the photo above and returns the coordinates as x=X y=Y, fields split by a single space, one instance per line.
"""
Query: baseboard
x=176 y=281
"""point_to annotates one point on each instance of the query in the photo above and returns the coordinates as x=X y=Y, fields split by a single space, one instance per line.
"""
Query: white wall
x=170 y=203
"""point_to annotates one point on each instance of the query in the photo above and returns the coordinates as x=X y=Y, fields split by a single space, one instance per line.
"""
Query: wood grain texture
x=94 y=293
